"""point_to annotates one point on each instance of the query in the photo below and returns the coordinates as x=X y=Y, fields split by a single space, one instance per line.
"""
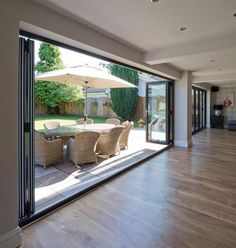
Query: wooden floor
x=63 y=179
x=181 y=198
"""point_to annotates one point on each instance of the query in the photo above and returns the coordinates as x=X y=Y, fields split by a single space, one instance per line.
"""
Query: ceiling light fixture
x=182 y=28
x=212 y=60
x=234 y=14
x=154 y=1
x=219 y=69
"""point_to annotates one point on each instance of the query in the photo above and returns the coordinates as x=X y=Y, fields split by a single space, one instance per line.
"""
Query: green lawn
x=63 y=119
x=66 y=120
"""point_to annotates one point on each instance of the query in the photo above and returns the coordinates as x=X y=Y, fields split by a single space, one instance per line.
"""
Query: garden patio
x=63 y=179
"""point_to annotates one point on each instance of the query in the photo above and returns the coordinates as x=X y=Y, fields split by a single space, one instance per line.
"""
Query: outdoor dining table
x=71 y=130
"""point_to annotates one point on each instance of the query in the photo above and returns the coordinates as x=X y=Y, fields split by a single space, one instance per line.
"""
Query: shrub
x=51 y=93
x=124 y=100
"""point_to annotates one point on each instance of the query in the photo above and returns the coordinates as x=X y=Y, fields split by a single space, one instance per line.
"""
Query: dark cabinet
x=218 y=121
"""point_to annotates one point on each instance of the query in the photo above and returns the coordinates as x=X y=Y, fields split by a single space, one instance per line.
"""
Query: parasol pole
x=86 y=102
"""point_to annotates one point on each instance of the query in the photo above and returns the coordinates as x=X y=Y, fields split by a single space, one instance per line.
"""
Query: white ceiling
x=153 y=28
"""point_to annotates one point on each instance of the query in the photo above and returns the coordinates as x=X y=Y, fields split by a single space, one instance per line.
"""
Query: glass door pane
x=170 y=131
x=204 y=109
x=200 y=109
x=157 y=112
x=193 y=111
x=197 y=110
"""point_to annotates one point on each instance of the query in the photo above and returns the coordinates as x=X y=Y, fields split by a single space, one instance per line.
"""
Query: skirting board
x=182 y=143
x=11 y=239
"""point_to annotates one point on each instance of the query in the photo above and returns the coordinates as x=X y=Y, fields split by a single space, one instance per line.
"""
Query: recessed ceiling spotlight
x=154 y=1
x=234 y=14
x=219 y=69
x=212 y=60
x=182 y=28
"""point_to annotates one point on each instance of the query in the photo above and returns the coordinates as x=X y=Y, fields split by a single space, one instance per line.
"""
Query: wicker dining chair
x=114 y=121
x=108 y=142
x=125 y=123
x=82 y=148
x=124 y=137
x=51 y=124
x=81 y=121
x=47 y=152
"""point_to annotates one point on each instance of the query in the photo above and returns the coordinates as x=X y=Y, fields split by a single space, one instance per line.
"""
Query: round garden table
x=71 y=130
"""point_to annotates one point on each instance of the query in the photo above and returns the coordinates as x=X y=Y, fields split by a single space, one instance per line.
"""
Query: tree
x=124 y=100
x=52 y=93
x=50 y=58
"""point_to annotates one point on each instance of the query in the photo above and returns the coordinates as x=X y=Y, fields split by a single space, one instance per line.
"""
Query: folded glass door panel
x=159 y=112
x=26 y=128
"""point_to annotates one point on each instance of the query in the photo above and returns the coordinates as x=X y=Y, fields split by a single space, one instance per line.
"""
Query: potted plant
x=141 y=123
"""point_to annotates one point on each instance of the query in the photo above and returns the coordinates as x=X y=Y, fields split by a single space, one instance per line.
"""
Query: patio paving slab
x=39 y=171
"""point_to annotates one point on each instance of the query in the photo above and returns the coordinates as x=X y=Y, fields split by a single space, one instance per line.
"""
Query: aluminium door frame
x=26 y=129
x=198 y=126
x=169 y=84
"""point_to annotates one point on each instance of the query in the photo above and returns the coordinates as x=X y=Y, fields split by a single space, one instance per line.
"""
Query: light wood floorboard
x=181 y=198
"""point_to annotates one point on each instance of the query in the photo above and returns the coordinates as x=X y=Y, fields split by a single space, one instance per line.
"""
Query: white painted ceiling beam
x=224 y=77
x=172 y=54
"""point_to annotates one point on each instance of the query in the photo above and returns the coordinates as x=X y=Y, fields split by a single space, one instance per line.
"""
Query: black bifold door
x=26 y=128
x=198 y=109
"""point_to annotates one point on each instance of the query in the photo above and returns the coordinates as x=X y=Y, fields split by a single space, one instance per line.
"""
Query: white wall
x=13 y=14
x=142 y=84
x=8 y=124
x=183 y=110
